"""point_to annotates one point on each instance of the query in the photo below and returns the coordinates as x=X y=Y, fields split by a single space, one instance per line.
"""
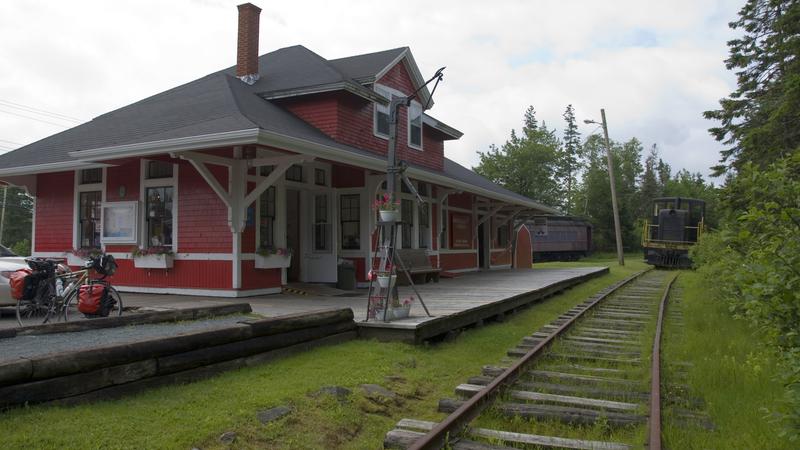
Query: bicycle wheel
x=71 y=300
x=116 y=310
x=31 y=312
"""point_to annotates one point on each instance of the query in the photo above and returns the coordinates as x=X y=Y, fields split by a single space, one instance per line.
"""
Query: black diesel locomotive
x=674 y=227
x=560 y=238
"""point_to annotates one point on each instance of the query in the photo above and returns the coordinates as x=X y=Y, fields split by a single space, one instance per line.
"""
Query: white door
x=319 y=257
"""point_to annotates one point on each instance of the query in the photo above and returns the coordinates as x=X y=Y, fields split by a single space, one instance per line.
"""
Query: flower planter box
x=75 y=260
x=154 y=261
x=390 y=215
x=273 y=261
x=383 y=281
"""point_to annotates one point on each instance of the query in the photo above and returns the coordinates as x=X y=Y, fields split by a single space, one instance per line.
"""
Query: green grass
x=732 y=371
x=196 y=414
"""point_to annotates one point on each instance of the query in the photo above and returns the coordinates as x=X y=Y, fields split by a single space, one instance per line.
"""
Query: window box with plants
x=273 y=258
x=153 y=258
x=78 y=257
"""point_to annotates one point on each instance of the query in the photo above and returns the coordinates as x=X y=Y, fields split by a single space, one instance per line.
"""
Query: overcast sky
x=655 y=66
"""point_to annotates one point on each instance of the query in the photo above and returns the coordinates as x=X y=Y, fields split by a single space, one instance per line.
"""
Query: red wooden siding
x=202 y=217
x=253 y=278
x=500 y=258
x=463 y=200
x=346 y=176
x=349 y=119
x=54 y=211
x=455 y=261
x=186 y=274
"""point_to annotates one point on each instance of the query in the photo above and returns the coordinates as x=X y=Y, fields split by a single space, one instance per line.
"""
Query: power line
x=34 y=118
x=43 y=112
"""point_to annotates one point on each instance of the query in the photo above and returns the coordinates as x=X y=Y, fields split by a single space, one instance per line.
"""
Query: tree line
x=754 y=257
x=570 y=173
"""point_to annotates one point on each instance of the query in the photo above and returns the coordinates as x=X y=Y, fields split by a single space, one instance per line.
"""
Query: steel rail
x=655 y=376
x=455 y=424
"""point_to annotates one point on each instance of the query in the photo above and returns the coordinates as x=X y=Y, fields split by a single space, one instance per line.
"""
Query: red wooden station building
x=282 y=153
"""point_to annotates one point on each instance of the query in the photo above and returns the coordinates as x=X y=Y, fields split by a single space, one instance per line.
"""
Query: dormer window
x=415 y=126
x=382 y=113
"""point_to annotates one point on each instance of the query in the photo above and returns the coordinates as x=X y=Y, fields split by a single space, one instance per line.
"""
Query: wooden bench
x=418 y=264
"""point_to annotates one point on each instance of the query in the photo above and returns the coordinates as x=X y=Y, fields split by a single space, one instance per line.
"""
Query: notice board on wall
x=461 y=232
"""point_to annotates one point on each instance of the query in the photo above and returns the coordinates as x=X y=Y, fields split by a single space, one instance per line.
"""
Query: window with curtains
x=266 y=218
x=158 y=218
x=350 y=217
x=89 y=219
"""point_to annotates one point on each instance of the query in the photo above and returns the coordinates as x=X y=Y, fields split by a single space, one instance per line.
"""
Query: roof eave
x=353 y=88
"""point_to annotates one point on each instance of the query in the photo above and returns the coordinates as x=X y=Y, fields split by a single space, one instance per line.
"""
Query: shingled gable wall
x=349 y=119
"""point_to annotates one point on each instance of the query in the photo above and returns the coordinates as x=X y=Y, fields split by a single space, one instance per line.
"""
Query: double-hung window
x=350 y=217
x=266 y=218
x=90 y=197
x=322 y=230
x=415 y=126
x=159 y=203
x=382 y=113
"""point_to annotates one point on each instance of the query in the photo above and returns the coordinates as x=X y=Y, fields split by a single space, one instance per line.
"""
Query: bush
x=754 y=260
x=22 y=248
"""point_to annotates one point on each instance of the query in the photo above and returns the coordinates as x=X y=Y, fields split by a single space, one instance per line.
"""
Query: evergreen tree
x=569 y=155
x=526 y=164
x=758 y=121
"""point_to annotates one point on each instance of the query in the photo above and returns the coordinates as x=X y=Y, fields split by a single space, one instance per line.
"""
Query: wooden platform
x=471 y=298
x=455 y=302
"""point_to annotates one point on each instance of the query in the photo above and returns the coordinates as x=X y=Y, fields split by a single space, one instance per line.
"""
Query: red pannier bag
x=17 y=283
x=90 y=298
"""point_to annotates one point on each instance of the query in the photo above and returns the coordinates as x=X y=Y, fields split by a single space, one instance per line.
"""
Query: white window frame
x=76 y=205
x=145 y=183
x=382 y=108
x=414 y=105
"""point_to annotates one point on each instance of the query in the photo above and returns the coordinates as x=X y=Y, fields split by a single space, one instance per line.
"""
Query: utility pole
x=614 y=206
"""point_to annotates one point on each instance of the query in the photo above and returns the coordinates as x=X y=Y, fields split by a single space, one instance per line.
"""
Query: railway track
x=588 y=380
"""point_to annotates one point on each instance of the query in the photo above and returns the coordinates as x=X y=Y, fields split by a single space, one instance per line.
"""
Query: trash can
x=346 y=275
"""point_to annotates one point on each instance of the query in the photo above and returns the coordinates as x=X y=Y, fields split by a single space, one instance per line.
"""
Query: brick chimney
x=247 y=47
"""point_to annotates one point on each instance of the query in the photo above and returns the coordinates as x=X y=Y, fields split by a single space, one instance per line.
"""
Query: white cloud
x=654 y=66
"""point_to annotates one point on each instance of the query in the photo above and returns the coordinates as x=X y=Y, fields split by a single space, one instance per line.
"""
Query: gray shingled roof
x=367 y=65
x=219 y=103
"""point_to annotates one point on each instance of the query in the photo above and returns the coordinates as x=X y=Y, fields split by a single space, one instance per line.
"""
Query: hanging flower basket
x=390 y=215
x=385 y=280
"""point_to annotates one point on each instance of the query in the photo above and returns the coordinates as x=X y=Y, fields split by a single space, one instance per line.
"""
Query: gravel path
x=40 y=345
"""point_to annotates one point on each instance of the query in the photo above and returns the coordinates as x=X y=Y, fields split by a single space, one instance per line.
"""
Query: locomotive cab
x=674 y=227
